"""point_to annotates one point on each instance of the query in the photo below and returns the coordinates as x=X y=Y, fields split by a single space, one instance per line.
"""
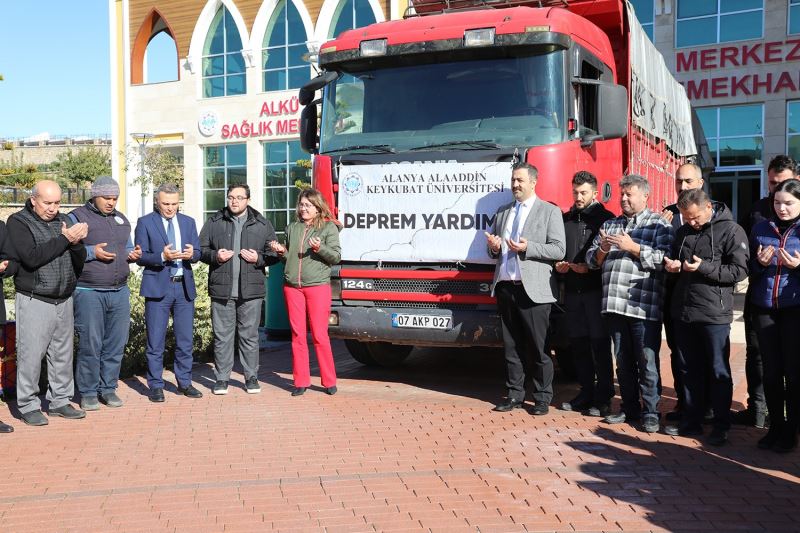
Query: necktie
x=173 y=268
x=511 y=261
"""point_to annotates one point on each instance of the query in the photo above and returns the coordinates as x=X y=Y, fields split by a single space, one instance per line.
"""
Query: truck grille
x=432 y=286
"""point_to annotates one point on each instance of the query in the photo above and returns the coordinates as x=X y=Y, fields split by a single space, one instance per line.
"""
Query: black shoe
x=111 y=399
x=67 y=411
x=190 y=392
x=331 y=390
x=718 y=437
x=508 y=405
x=252 y=386
x=35 y=418
x=156 y=395
x=750 y=417
x=683 y=431
x=787 y=441
x=5 y=428
x=540 y=408
x=650 y=424
x=576 y=404
x=598 y=410
x=220 y=387
x=673 y=416
x=299 y=391
x=90 y=403
x=618 y=418
x=768 y=441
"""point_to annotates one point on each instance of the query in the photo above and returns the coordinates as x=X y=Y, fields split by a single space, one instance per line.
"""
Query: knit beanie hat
x=105 y=186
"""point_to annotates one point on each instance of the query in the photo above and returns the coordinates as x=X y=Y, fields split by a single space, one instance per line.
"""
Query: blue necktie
x=511 y=262
x=173 y=268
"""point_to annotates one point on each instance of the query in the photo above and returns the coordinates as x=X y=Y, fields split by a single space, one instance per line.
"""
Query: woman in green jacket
x=312 y=246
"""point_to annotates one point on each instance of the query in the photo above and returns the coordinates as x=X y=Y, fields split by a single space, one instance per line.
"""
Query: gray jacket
x=544 y=231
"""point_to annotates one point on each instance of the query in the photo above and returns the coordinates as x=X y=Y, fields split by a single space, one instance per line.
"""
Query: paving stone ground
x=411 y=449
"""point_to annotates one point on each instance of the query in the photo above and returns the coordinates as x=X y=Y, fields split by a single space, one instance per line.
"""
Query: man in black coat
x=7 y=268
x=709 y=256
x=688 y=176
x=590 y=342
x=780 y=168
x=235 y=243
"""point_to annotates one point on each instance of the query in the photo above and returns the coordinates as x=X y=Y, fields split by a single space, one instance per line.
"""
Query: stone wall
x=47 y=153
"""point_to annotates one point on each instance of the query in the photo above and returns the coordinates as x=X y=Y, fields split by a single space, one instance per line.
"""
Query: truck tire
x=358 y=351
x=387 y=354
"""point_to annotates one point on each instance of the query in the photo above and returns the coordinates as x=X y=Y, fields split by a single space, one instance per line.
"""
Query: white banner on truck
x=420 y=211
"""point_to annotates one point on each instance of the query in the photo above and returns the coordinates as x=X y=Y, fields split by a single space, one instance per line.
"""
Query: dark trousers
x=156 y=314
x=636 y=345
x=102 y=320
x=777 y=338
x=525 y=326
x=590 y=346
x=704 y=346
x=674 y=356
x=753 y=364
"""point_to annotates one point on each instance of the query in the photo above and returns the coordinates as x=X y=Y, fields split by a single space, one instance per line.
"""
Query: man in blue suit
x=170 y=245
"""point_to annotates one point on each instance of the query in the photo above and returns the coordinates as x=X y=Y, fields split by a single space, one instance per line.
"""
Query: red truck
x=421 y=120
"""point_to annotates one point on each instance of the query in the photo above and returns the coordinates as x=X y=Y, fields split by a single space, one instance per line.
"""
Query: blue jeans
x=704 y=346
x=102 y=320
x=636 y=345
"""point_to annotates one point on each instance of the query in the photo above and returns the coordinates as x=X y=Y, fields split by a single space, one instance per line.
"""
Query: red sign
x=276 y=117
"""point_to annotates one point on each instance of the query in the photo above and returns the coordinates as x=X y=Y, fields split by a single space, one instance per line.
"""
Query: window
x=352 y=14
x=222 y=166
x=161 y=58
x=735 y=134
x=223 y=62
x=718 y=21
x=793 y=129
x=644 y=12
x=794 y=16
x=281 y=171
x=284 y=47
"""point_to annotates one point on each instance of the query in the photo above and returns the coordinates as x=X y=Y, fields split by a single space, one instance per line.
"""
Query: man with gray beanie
x=102 y=298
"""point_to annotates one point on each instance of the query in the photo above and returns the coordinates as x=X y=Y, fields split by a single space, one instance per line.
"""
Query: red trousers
x=314 y=302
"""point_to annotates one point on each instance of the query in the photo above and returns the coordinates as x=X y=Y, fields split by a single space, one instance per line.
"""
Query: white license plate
x=400 y=320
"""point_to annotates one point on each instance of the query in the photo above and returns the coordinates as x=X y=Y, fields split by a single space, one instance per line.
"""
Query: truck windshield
x=470 y=105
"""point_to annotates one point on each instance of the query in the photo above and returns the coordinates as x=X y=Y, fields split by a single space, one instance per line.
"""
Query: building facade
x=226 y=103
x=229 y=110
x=739 y=61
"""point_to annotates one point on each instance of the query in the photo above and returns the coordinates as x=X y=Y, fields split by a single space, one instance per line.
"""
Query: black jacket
x=762 y=210
x=581 y=227
x=48 y=265
x=706 y=296
x=217 y=233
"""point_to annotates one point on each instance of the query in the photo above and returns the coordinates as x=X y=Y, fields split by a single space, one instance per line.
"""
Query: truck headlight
x=375 y=47
x=480 y=37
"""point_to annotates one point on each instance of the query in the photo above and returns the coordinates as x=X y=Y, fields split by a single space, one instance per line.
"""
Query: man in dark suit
x=170 y=245
x=527 y=238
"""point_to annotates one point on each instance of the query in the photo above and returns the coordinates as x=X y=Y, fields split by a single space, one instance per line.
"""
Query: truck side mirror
x=308 y=90
x=308 y=128
x=612 y=111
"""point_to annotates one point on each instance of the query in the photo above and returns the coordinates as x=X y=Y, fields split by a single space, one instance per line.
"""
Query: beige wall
x=42 y=155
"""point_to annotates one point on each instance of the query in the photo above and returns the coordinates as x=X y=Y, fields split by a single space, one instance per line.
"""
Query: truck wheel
x=387 y=354
x=358 y=351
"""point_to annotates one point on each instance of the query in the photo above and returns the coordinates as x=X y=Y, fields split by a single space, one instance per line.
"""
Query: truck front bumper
x=374 y=324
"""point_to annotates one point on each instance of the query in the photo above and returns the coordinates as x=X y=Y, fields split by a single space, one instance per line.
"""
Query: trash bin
x=277 y=320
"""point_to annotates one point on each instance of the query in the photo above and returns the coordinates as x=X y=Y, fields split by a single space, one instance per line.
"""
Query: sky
x=54 y=56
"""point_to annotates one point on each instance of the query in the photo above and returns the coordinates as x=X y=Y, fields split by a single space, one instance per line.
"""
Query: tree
x=152 y=166
x=85 y=165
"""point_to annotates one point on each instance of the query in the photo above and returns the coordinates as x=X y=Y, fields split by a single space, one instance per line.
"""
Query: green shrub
x=135 y=358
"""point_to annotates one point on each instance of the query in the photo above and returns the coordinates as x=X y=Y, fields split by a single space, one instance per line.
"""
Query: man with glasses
x=234 y=242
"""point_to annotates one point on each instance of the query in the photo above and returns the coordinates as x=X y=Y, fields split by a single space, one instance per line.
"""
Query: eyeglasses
x=306 y=206
x=237 y=198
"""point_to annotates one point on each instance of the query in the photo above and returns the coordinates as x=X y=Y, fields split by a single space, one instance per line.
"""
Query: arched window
x=223 y=63
x=283 y=49
x=161 y=59
x=352 y=14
